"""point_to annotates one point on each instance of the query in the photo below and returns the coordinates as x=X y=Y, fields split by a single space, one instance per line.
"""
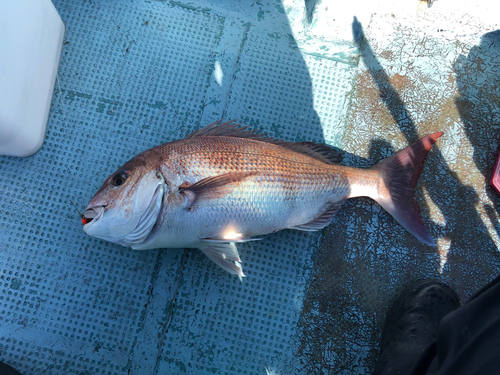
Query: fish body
x=224 y=184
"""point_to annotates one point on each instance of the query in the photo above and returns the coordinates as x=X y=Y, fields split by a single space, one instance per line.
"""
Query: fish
x=225 y=184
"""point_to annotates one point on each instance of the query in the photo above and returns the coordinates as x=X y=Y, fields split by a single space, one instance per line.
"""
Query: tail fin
x=398 y=176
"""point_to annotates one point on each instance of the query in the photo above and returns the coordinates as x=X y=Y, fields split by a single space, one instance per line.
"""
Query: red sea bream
x=224 y=184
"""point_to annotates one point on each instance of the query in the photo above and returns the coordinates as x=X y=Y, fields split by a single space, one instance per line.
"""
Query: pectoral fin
x=212 y=187
x=224 y=255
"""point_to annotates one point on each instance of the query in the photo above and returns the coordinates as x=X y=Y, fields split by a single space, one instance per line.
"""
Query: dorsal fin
x=318 y=151
x=226 y=129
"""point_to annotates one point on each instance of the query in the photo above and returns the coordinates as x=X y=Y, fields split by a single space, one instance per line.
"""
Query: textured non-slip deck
x=135 y=74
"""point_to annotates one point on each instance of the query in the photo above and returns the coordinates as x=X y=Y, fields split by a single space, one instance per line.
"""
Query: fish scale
x=279 y=179
x=224 y=184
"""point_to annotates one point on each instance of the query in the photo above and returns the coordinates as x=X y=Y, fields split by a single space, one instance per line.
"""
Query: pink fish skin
x=225 y=184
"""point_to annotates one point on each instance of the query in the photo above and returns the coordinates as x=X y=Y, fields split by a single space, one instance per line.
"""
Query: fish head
x=128 y=205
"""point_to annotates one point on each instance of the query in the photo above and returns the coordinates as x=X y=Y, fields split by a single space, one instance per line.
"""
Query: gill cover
x=128 y=221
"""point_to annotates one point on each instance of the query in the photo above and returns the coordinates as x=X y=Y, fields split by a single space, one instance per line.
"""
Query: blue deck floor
x=135 y=74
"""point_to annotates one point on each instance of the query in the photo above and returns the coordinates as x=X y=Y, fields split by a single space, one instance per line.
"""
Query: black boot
x=412 y=325
x=5 y=369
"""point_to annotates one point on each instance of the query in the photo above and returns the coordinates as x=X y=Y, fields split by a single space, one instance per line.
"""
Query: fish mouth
x=91 y=215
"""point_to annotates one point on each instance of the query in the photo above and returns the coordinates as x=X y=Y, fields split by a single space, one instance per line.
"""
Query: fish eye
x=119 y=178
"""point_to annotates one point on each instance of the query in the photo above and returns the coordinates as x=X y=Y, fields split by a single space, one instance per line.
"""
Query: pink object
x=495 y=179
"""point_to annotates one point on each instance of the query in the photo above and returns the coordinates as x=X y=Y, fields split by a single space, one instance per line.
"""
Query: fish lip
x=93 y=214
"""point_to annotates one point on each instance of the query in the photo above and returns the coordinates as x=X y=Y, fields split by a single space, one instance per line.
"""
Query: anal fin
x=321 y=221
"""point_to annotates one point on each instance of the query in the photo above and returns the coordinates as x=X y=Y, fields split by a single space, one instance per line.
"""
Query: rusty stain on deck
x=366 y=258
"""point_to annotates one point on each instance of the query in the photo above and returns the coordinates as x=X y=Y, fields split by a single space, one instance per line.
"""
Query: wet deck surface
x=135 y=74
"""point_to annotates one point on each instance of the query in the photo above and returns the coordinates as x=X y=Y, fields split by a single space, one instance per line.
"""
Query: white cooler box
x=31 y=38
